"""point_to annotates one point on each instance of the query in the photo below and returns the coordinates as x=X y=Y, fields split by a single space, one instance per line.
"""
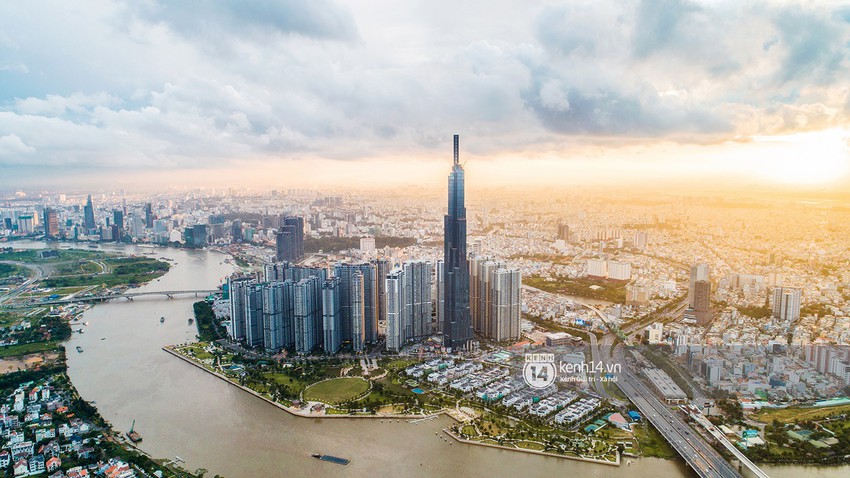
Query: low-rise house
x=53 y=463
x=21 y=468
x=36 y=465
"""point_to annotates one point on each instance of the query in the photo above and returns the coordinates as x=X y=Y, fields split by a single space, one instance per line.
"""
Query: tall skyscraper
x=51 y=222
x=118 y=218
x=359 y=288
x=564 y=232
x=408 y=303
x=440 y=301
x=254 y=317
x=331 y=315
x=417 y=302
x=702 y=296
x=786 y=304
x=698 y=272
x=506 y=305
x=236 y=231
x=308 y=314
x=382 y=268
x=290 y=240
x=457 y=326
x=273 y=316
x=149 y=215
x=238 y=289
x=88 y=216
x=395 y=309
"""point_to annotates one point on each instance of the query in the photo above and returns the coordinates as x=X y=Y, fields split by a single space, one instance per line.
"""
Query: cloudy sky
x=287 y=92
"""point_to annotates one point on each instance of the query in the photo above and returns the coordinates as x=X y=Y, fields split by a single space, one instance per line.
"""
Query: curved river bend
x=181 y=410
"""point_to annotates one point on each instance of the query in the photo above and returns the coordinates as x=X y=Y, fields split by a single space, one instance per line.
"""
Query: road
x=698 y=454
x=38 y=274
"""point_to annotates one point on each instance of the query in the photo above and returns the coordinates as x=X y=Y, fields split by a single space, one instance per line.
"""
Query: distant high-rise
x=457 y=326
x=236 y=231
x=290 y=240
x=786 y=304
x=118 y=218
x=564 y=232
x=51 y=222
x=149 y=215
x=702 y=295
x=698 y=272
x=88 y=216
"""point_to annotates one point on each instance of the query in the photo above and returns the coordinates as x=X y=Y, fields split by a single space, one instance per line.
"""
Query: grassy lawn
x=22 y=349
x=787 y=415
x=336 y=390
x=530 y=445
x=281 y=379
x=652 y=443
x=582 y=287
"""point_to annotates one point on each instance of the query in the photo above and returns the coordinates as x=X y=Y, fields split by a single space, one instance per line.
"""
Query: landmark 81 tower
x=457 y=325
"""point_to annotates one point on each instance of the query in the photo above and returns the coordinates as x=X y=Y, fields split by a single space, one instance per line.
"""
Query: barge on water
x=133 y=435
x=332 y=459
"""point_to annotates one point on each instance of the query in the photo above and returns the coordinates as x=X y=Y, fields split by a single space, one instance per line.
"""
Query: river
x=181 y=410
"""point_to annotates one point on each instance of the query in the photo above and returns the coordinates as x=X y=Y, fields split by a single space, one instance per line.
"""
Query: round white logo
x=539 y=374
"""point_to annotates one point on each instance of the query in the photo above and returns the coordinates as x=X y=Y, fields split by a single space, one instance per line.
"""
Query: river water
x=182 y=411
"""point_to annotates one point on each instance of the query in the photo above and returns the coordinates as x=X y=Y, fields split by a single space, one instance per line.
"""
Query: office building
x=149 y=215
x=699 y=272
x=702 y=296
x=457 y=325
x=118 y=218
x=88 y=216
x=440 y=300
x=290 y=239
x=564 y=232
x=236 y=231
x=51 y=222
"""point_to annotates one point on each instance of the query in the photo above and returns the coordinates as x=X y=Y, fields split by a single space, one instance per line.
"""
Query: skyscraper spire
x=457 y=149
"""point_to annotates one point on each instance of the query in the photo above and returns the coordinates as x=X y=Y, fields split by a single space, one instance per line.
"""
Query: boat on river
x=331 y=459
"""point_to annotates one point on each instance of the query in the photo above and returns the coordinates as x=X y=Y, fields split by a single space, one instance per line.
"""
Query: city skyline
x=259 y=95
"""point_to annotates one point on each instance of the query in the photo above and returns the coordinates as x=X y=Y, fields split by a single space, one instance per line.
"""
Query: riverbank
x=306 y=413
x=292 y=410
x=448 y=432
